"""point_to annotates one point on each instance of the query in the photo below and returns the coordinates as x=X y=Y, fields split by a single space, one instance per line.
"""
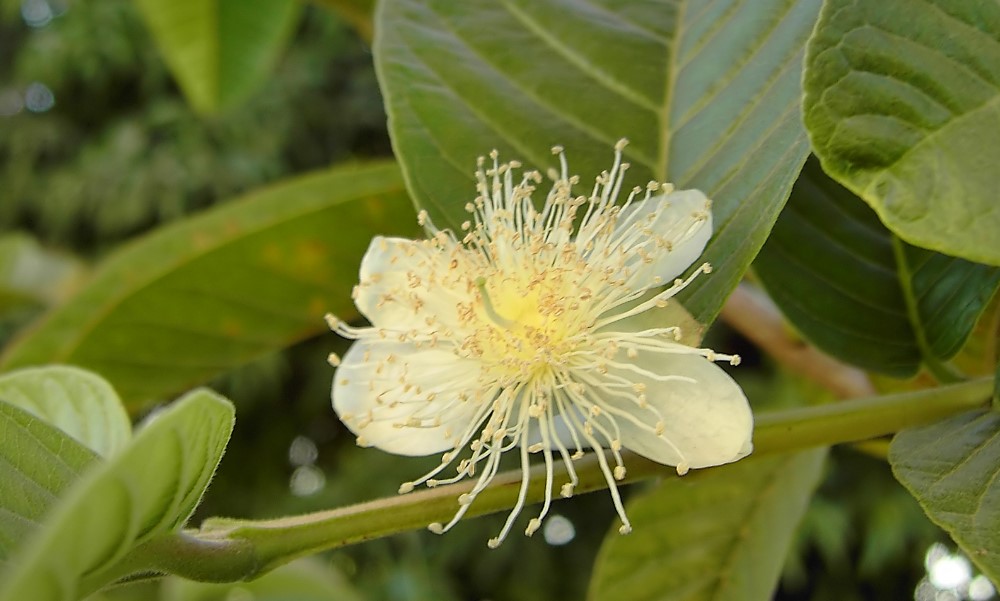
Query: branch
x=248 y=548
x=755 y=317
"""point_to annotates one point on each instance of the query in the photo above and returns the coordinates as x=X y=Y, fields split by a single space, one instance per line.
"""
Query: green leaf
x=718 y=534
x=209 y=293
x=219 y=51
x=707 y=93
x=303 y=580
x=861 y=294
x=148 y=490
x=902 y=102
x=77 y=402
x=953 y=469
x=38 y=462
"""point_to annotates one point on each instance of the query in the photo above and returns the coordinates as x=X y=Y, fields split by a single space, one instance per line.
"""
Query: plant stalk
x=266 y=544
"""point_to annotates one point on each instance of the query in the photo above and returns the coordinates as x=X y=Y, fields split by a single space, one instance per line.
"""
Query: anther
x=533 y=525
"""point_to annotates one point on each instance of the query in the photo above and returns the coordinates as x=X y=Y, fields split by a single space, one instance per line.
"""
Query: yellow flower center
x=528 y=326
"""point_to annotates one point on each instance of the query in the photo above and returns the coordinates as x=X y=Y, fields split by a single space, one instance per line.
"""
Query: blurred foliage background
x=98 y=145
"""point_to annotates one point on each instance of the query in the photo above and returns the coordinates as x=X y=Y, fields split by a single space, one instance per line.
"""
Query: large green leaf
x=861 y=294
x=147 y=490
x=953 y=469
x=219 y=50
x=77 y=402
x=209 y=293
x=719 y=534
x=903 y=107
x=707 y=93
x=38 y=462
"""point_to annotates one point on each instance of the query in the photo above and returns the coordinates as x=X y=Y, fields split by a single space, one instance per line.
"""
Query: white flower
x=536 y=332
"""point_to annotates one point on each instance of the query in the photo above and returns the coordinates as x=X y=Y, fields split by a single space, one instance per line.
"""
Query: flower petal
x=705 y=422
x=404 y=283
x=382 y=390
x=683 y=218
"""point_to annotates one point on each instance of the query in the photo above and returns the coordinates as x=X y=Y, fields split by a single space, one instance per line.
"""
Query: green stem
x=255 y=547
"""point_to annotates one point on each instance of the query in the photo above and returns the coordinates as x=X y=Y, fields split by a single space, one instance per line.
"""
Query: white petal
x=707 y=422
x=405 y=282
x=375 y=395
x=684 y=219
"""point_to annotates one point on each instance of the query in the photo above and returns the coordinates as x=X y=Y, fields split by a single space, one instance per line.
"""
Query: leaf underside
x=859 y=293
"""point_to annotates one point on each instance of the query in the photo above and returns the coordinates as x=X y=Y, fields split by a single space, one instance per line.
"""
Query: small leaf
x=861 y=294
x=38 y=463
x=708 y=95
x=219 y=50
x=212 y=292
x=78 y=402
x=902 y=102
x=718 y=534
x=148 y=490
x=953 y=469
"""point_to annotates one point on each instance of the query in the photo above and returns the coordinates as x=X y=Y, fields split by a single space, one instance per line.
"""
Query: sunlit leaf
x=219 y=50
x=953 y=469
x=861 y=294
x=903 y=107
x=77 y=402
x=707 y=93
x=148 y=489
x=212 y=292
x=38 y=462
x=718 y=534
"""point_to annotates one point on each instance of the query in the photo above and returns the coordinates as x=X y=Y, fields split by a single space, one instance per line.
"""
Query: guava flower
x=539 y=331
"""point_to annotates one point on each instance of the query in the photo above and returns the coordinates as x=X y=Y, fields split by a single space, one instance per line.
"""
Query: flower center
x=527 y=326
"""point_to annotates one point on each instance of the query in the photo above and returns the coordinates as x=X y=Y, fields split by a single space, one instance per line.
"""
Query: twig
x=752 y=314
